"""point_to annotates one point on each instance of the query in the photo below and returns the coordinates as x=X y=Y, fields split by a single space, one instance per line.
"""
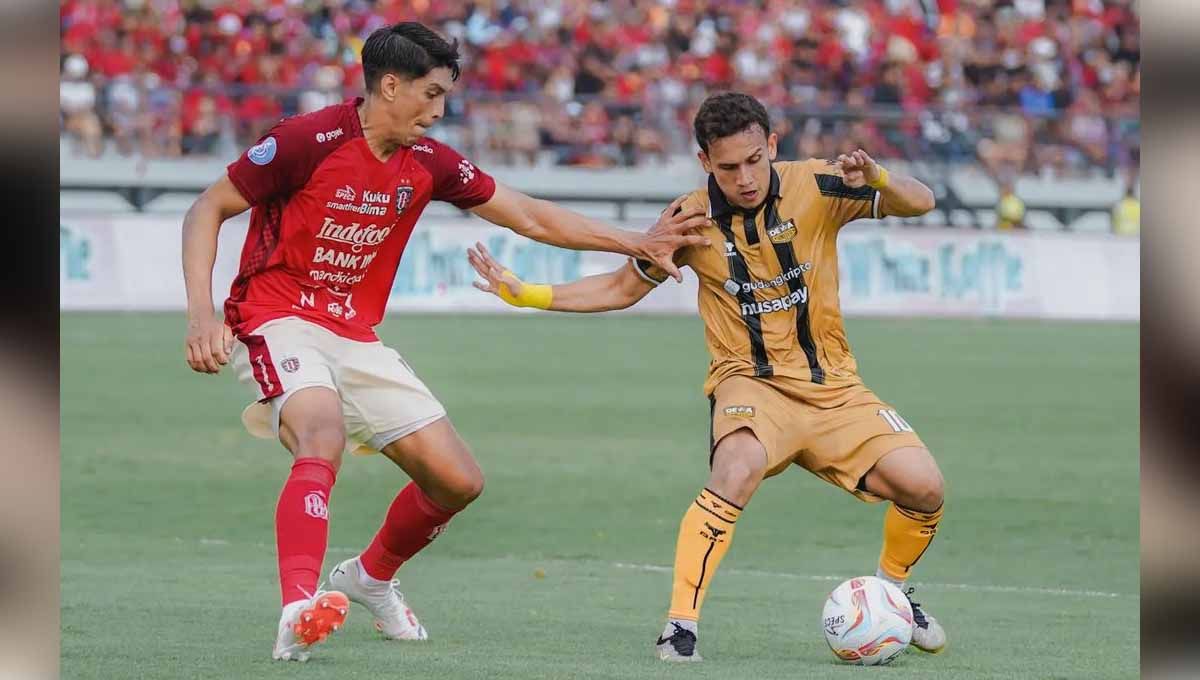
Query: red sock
x=412 y=522
x=302 y=527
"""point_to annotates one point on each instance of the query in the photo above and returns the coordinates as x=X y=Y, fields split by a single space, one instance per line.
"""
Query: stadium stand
x=1045 y=87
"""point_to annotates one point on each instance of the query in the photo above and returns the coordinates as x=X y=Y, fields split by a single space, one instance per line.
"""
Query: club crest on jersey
x=290 y=364
x=403 y=198
x=782 y=233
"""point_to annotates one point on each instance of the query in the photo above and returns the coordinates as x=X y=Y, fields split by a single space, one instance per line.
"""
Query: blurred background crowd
x=1046 y=87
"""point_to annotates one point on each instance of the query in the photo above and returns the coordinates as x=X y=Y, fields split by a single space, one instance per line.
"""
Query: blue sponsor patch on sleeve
x=261 y=154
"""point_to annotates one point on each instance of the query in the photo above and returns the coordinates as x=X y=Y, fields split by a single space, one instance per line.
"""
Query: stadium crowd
x=1047 y=86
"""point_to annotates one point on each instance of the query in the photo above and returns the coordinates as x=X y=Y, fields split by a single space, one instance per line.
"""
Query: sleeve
x=843 y=203
x=652 y=273
x=278 y=165
x=456 y=180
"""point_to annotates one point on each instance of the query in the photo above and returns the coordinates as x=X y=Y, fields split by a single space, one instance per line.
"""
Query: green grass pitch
x=592 y=434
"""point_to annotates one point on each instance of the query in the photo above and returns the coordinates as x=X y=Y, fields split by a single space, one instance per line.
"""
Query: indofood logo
x=353 y=234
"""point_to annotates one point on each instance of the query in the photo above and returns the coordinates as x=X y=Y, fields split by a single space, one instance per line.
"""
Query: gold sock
x=906 y=536
x=705 y=535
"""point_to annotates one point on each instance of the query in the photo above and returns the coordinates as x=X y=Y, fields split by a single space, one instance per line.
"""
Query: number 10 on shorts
x=894 y=420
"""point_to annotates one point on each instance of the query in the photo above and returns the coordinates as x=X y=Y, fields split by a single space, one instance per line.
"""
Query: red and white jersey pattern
x=330 y=221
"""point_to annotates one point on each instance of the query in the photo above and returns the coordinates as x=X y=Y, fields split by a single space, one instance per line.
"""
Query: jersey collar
x=355 y=124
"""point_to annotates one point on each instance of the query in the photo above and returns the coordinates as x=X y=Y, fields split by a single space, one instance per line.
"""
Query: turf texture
x=591 y=432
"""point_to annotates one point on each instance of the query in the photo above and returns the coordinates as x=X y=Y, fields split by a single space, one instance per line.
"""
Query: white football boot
x=677 y=644
x=393 y=617
x=305 y=623
x=928 y=635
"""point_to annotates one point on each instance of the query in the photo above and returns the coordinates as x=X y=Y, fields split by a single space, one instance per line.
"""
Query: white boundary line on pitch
x=944 y=586
x=656 y=568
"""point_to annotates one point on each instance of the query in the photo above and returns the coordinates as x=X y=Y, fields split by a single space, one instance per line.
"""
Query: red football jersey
x=330 y=222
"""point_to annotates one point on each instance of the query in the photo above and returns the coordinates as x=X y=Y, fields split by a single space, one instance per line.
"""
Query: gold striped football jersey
x=769 y=282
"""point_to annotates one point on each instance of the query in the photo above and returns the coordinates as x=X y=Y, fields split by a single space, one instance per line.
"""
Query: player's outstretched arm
x=553 y=224
x=209 y=340
x=899 y=194
x=601 y=293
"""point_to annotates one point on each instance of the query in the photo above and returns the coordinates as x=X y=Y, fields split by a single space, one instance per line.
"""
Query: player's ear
x=772 y=146
x=704 y=162
x=388 y=85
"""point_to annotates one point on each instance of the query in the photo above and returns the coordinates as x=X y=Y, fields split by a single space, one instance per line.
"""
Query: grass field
x=592 y=434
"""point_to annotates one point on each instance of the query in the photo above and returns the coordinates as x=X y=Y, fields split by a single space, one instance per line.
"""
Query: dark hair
x=728 y=113
x=408 y=49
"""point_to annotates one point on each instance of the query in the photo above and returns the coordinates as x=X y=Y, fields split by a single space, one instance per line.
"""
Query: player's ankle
x=366 y=580
x=898 y=582
x=687 y=624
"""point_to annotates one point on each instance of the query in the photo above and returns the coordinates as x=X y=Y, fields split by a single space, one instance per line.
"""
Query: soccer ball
x=867 y=621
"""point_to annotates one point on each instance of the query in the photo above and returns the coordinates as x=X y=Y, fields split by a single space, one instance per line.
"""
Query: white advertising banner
x=133 y=262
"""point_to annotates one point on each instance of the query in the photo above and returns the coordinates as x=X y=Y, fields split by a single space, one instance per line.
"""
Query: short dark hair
x=728 y=113
x=408 y=49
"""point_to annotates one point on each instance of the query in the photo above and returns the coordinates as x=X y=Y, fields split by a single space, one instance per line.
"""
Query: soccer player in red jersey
x=334 y=196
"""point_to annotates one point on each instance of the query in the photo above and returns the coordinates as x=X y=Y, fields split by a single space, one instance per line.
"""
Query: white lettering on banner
x=780 y=304
x=353 y=234
x=940 y=274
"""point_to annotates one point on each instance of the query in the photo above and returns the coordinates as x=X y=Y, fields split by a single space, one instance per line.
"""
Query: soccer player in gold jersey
x=783 y=385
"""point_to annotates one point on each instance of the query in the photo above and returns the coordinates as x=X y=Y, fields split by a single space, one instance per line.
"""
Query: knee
x=326 y=443
x=461 y=489
x=738 y=467
x=928 y=494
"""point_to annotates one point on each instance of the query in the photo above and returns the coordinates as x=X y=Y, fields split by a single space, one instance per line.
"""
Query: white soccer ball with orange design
x=867 y=621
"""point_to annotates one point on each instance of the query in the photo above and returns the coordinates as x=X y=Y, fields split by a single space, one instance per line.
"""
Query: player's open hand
x=209 y=344
x=673 y=231
x=858 y=169
x=494 y=275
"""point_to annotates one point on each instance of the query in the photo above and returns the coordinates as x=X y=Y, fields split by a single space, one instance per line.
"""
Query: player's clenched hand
x=209 y=343
x=670 y=233
x=858 y=169
x=494 y=275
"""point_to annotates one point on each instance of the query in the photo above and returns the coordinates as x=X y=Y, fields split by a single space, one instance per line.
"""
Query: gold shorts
x=836 y=432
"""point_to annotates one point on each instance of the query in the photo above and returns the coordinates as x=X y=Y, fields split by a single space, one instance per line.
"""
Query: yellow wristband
x=536 y=295
x=882 y=181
